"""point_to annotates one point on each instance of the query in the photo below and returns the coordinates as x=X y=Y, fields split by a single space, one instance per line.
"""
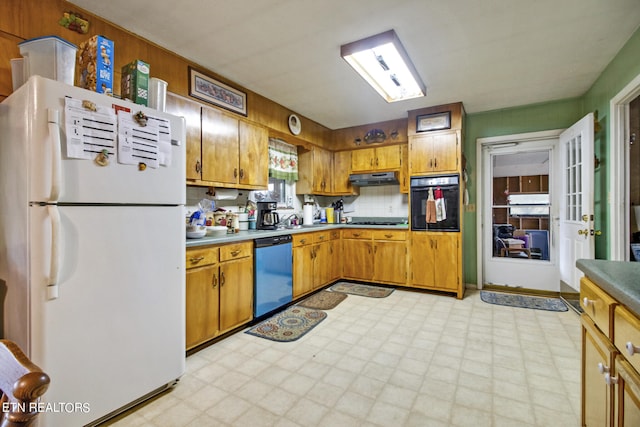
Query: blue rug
x=523 y=301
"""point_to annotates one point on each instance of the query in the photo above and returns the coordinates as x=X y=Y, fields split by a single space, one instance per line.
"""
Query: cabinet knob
x=222 y=279
x=587 y=302
x=214 y=281
x=603 y=369
x=610 y=380
x=198 y=166
x=196 y=259
x=235 y=253
x=241 y=172
x=632 y=349
x=235 y=172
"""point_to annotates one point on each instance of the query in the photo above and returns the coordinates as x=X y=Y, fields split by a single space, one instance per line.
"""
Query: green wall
x=546 y=116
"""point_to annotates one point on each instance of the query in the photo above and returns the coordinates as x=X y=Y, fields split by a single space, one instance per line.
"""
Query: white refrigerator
x=92 y=266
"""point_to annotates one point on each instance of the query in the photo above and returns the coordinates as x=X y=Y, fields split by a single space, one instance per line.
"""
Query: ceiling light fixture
x=382 y=61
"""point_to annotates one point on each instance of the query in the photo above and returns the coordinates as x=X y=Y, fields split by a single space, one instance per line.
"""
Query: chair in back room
x=22 y=383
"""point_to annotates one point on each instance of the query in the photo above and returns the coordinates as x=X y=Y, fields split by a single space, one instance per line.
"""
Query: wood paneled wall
x=24 y=19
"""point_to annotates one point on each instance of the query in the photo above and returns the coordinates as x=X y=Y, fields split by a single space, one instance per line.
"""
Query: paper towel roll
x=307 y=215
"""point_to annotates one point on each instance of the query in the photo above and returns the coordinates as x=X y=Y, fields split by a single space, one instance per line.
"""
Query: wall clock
x=295 y=125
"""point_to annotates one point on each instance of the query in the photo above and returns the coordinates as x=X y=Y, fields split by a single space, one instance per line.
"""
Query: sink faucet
x=288 y=220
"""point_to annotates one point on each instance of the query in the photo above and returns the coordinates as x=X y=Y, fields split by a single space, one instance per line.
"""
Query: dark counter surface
x=256 y=234
x=619 y=279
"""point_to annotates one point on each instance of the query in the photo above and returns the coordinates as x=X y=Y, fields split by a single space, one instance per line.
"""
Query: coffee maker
x=267 y=218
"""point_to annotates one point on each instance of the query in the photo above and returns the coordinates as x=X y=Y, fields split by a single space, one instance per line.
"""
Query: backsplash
x=378 y=201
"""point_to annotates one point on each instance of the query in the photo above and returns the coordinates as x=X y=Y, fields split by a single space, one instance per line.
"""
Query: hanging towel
x=441 y=212
x=431 y=208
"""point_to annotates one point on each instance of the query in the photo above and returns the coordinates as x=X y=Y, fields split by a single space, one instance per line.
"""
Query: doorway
x=624 y=173
x=520 y=206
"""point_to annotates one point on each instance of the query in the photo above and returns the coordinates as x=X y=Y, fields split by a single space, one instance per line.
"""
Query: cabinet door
x=628 y=395
x=302 y=270
x=446 y=261
x=404 y=169
x=388 y=158
x=321 y=264
x=322 y=166
x=190 y=110
x=254 y=155
x=219 y=147
x=445 y=152
x=236 y=293
x=420 y=154
x=422 y=260
x=359 y=257
x=341 y=171
x=389 y=262
x=201 y=304
x=597 y=356
x=363 y=160
x=335 y=260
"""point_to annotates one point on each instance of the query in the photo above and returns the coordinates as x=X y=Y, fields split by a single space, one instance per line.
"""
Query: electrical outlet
x=471 y=207
x=390 y=209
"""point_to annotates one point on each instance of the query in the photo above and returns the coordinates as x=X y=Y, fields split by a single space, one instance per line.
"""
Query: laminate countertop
x=619 y=279
x=256 y=234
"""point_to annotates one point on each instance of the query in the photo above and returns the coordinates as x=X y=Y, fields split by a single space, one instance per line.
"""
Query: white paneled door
x=576 y=231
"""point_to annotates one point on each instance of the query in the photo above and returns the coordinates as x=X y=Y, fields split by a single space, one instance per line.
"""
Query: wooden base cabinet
x=219 y=290
x=314 y=261
x=375 y=255
x=610 y=360
x=436 y=261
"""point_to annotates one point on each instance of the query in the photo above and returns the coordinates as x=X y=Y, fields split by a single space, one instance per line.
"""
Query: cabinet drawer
x=389 y=235
x=302 y=239
x=236 y=251
x=626 y=334
x=357 y=233
x=597 y=304
x=201 y=256
x=320 y=237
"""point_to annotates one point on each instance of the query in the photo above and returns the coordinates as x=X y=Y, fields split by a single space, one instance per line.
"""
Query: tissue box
x=94 y=65
x=134 y=84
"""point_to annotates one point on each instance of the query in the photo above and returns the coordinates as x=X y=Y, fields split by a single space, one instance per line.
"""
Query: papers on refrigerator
x=89 y=132
x=137 y=144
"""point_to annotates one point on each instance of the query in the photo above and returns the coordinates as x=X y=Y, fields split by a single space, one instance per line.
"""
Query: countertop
x=256 y=234
x=619 y=279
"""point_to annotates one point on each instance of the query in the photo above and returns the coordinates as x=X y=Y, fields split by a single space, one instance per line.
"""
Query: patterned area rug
x=289 y=324
x=523 y=301
x=362 y=290
x=323 y=300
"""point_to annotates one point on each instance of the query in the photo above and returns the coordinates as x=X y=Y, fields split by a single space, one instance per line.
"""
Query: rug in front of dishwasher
x=288 y=325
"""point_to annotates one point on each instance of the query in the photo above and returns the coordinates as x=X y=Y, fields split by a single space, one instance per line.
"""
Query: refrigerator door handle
x=53 y=118
x=54 y=268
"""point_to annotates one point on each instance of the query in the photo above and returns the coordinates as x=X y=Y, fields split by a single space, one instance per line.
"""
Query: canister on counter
x=329 y=214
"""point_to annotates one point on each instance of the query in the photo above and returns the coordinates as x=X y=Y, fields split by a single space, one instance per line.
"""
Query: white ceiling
x=488 y=54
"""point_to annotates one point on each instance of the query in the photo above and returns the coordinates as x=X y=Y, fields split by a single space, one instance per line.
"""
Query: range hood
x=370 y=179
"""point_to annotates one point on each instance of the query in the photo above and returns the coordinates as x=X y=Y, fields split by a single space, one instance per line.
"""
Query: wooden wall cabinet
x=219 y=290
x=371 y=159
x=234 y=152
x=436 y=261
x=315 y=168
x=434 y=153
x=405 y=179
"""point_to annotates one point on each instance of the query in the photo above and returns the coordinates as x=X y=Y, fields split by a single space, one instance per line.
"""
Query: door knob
x=584 y=232
x=596 y=232
x=585 y=218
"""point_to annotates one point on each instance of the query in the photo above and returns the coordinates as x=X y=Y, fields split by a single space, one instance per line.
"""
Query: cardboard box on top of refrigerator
x=94 y=65
x=134 y=83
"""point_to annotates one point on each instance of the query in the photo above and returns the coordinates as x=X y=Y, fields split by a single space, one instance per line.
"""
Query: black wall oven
x=435 y=203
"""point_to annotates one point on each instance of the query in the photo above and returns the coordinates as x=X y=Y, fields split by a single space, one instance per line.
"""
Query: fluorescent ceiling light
x=385 y=65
